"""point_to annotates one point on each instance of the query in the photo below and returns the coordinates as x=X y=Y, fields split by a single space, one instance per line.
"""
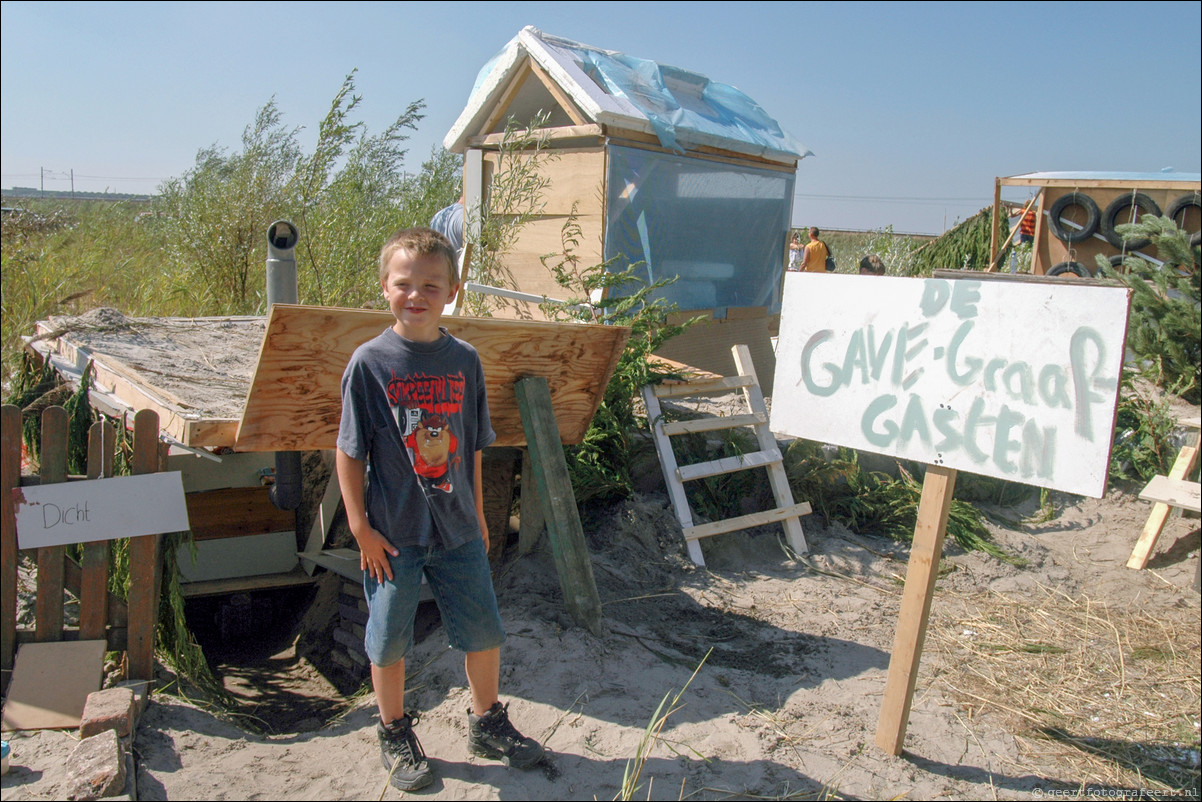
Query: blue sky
x=911 y=109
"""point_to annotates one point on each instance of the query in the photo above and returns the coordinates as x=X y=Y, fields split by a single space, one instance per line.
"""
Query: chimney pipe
x=282 y=289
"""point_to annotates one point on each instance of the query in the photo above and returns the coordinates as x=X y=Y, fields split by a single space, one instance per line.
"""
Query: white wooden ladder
x=769 y=456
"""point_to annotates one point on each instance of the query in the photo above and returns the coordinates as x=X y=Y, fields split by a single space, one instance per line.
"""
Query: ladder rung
x=712 y=424
x=703 y=387
x=755 y=459
x=747 y=521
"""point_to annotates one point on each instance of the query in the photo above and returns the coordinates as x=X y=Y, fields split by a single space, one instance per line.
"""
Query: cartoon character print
x=424 y=406
x=432 y=446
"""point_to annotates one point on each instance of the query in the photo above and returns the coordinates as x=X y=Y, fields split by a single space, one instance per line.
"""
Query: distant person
x=796 y=252
x=871 y=265
x=448 y=221
x=816 y=254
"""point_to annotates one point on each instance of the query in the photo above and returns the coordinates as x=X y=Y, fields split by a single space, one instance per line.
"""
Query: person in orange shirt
x=816 y=254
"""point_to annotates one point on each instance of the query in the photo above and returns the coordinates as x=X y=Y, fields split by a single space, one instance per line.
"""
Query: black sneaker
x=493 y=737
x=402 y=754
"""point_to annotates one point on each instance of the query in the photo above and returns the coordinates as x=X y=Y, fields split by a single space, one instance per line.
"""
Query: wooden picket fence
x=126 y=625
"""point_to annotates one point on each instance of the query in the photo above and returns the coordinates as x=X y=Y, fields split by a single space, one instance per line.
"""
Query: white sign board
x=100 y=509
x=1008 y=379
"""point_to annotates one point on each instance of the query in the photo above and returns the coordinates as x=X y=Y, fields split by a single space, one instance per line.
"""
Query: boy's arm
x=479 y=492
x=374 y=548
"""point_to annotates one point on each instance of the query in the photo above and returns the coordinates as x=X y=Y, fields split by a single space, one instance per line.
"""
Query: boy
x=414 y=421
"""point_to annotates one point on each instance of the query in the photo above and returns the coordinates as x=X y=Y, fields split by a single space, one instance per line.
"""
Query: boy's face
x=417 y=288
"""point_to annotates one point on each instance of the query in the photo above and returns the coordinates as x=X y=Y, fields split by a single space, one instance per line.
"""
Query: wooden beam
x=1096 y=183
x=747 y=521
x=94 y=563
x=557 y=133
x=559 y=503
x=145 y=569
x=1187 y=458
x=10 y=480
x=1173 y=492
x=531 y=519
x=937 y=488
x=48 y=607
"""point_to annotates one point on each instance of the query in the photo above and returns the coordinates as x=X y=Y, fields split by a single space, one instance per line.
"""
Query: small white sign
x=1014 y=380
x=100 y=509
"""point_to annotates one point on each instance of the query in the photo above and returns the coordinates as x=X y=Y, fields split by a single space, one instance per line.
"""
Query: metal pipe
x=282 y=289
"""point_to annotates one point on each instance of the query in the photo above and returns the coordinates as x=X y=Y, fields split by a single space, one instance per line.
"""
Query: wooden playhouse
x=664 y=168
x=1076 y=214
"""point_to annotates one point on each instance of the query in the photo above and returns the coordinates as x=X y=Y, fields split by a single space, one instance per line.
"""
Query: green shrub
x=1164 y=330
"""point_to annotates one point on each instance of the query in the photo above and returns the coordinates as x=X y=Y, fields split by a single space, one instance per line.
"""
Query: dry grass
x=1094 y=695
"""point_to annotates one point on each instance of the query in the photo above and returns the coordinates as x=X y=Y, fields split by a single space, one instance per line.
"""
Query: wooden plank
x=48 y=605
x=344 y=562
x=667 y=462
x=298 y=410
x=1187 y=458
x=322 y=521
x=1174 y=492
x=937 y=488
x=715 y=424
x=740 y=462
x=747 y=521
x=94 y=563
x=145 y=569
x=10 y=479
x=724 y=384
x=555 y=493
x=553 y=134
x=241 y=584
x=236 y=512
x=1073 y=183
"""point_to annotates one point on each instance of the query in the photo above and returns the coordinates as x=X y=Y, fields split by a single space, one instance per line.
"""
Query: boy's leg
x=388 y=682
x=483 y=678
x=392 y=605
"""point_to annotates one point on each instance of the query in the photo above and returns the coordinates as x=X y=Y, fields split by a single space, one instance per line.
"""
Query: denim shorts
x=461 y=582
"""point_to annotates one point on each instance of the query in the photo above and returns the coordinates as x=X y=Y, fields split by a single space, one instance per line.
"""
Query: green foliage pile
x=1143 y=434
x=870 y=502
x=600 y=465
x=965 y=247
x=1164 y=330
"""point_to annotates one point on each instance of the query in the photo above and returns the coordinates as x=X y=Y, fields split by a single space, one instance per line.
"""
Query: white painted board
x=1013 y=380
x=100 y=509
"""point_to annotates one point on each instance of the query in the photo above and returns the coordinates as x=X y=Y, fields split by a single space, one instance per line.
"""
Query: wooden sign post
x=937 y=489
x=1002 y=376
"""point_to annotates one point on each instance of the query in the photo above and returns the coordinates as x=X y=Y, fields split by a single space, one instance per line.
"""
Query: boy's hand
x=374 y=549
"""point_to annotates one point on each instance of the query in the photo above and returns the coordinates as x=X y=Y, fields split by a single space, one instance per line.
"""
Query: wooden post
x=937 y=488
x=558 y=503
x=10 y=479
x=48 y=606
x=94 y=581
x=144 y=565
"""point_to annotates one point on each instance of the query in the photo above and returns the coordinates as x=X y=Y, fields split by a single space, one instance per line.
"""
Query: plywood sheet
x=294 y=402
x=51 y=683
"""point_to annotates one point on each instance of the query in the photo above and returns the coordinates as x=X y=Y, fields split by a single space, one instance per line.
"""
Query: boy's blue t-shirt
x=417 y=413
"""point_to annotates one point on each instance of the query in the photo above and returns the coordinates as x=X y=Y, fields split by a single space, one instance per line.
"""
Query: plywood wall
x=1050 y=251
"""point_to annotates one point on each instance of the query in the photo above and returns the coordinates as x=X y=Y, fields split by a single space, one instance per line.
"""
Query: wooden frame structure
x=128 y=625
x=1104 y=189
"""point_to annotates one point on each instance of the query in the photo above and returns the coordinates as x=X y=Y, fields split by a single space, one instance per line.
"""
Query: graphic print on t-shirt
x=424 y=406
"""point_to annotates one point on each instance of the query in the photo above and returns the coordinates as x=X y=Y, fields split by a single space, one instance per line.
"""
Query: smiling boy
x=414 y=421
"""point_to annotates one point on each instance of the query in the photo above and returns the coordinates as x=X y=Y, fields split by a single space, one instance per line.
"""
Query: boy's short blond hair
x=420 y=241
